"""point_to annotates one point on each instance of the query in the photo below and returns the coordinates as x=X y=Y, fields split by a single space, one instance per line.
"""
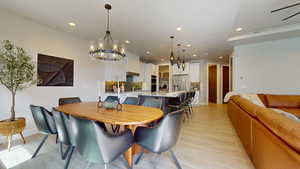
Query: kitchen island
x=166 y=97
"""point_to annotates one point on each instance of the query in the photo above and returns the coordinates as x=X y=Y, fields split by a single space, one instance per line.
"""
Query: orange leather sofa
x=271 y=139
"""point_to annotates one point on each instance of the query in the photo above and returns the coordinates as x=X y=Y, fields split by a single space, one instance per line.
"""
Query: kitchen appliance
x=153 y=83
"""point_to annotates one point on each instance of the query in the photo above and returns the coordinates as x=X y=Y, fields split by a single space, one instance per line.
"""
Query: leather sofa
x=271 y=139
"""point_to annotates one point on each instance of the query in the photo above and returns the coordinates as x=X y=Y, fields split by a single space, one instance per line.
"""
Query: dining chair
x=62 y=124
x=115 y=128
x=97 y=146
x=152 y=102
x=162 y=137
x=131 y=100
x=68 y=100
x=111 y=99
x=44 y=122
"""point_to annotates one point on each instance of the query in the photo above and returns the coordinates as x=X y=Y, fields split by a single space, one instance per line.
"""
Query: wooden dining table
x=130 y=117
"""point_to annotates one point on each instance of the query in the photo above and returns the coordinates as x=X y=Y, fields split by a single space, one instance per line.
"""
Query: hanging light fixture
x=107 y=48
x=172 y=57
x=178 y=60
x=183 y=61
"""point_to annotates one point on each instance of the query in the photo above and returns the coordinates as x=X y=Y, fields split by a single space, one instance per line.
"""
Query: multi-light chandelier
x=107 y=48
x=177 y=60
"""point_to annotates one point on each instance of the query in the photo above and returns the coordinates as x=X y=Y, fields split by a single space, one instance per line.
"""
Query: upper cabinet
x=132 y=63
x=177 y=71
x=154 y=69
x=194 y=72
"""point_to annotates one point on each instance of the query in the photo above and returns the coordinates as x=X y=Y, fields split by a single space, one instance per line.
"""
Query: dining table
x=131 y=117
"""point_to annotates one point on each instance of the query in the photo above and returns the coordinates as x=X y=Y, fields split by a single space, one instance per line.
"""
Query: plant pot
x=9 y=128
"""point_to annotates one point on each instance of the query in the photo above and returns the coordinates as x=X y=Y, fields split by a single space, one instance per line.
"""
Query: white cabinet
x=194 y=72
x=154 y=70
x=132 y=63
x=177 y=71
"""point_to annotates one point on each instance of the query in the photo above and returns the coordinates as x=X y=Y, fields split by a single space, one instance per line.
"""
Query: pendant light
x=172 y=57
x=107 y=48
x=183 y=61
x=178 y=61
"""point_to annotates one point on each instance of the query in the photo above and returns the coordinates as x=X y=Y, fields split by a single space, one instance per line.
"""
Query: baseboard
x=203 y=103
x=26 y=133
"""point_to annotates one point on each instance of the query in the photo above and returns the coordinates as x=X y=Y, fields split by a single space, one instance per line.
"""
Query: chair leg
x=105 y=166
x=40 y=146
x=115 y=129
x=139 y=157
x=175 y=159
x=9 y=138
x=126 y=162
x=63 y=154
x=69 y=158
x=21 y=134
x=56 y=141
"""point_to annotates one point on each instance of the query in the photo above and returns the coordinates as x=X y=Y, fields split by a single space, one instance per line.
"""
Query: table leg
x=130 y=152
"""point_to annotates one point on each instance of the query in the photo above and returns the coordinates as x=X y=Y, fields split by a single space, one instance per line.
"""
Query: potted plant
x=17 y=72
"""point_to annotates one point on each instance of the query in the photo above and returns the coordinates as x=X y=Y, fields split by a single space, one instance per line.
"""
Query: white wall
x=36 y=38
x=267 y=67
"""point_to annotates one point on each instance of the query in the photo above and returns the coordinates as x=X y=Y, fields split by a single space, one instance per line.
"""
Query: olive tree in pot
x=17 y=72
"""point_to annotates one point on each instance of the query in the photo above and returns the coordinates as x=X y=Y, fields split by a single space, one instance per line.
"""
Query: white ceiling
x=147 y=24
x=255 y=16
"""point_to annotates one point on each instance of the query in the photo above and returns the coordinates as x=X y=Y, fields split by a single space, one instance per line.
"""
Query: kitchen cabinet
x=132 y=63
x=194 y=72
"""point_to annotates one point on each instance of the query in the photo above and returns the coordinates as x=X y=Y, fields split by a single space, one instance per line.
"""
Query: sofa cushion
x=284 y=127
x=283 y=101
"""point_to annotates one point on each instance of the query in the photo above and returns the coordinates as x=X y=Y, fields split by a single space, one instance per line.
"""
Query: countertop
x=163 y=94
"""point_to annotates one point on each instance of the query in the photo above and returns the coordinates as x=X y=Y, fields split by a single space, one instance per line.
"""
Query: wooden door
x=225 y=80
x=212 y=92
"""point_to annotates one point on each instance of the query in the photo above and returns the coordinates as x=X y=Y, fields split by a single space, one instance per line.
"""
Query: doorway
x=225 y=80
x=212 y=83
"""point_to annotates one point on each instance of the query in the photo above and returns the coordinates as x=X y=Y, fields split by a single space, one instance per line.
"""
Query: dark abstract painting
x=55 y=71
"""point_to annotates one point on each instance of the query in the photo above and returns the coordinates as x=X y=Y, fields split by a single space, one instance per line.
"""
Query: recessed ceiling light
x=220 y=57
x=194 y=55
x=178 y=28
x=238 y=29
x=127 y=41
x=188 y=45
x=148 y=52
x=72 y=24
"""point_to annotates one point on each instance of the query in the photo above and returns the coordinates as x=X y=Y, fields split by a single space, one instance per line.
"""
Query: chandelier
x=107 y=48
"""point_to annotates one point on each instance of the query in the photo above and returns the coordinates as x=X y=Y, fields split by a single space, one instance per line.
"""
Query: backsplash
x=112 y=86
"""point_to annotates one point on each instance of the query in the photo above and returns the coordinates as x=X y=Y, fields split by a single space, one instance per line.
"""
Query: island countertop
x=163 y=94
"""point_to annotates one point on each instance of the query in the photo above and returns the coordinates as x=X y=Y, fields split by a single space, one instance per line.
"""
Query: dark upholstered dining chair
x=162 y=137
x=111 y=99
x=63 y=130
x=152 y=102
x=97 y=146
x=131 y=101
x=68 y=100
x=44 y=122
x=115 y=128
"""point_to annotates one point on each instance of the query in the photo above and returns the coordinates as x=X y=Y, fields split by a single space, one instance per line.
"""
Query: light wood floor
x=207 y=141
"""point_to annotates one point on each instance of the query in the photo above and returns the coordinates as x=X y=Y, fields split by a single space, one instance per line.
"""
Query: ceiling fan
x=287 y=7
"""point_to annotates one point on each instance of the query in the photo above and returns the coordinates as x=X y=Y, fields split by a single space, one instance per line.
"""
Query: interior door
x=212 y=90
x=225 y=80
